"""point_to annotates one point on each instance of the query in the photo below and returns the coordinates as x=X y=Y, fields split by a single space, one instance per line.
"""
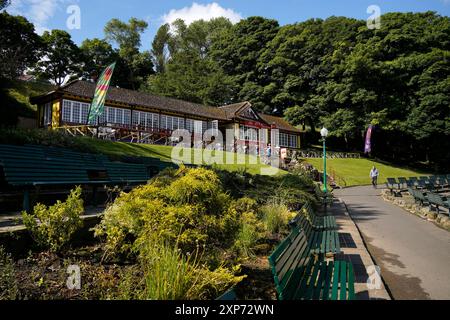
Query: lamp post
x=324 y=134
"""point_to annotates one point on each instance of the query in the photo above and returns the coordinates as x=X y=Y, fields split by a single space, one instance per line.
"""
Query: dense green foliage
x=334 y=72
x=52 y=227
x=8 y=282
x=19 y=45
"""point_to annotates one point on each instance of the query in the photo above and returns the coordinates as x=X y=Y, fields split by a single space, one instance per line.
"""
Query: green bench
x=392 y=185
x=418 y=196
x=318 y=222
x=438 y=201
x=30 y=166
x=321 y=242
x=300 y=275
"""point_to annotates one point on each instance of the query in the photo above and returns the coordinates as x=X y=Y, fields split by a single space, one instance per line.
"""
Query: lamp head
x=324 y=132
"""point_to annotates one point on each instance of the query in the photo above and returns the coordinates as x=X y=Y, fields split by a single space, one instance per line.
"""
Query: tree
x=97 y=54
x=138 y=66
x=160 y=50
x=20 y=46
x=62 y=58
x=185 y=69
x=237 y=51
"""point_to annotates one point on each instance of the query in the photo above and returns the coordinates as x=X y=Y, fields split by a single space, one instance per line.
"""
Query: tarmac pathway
x=413 y=254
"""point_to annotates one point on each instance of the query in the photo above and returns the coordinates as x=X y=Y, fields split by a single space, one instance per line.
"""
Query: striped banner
x=98 y=103
x=368 y=144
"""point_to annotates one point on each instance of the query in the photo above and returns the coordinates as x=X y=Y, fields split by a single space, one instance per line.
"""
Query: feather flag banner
x=368 y=144
x=98 y=103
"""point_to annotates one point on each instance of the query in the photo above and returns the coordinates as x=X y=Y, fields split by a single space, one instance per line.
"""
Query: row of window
x=247 y=133
x=288 y=140
x=77 y=112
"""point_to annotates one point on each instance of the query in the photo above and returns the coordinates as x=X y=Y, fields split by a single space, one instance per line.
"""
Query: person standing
x=374 y=176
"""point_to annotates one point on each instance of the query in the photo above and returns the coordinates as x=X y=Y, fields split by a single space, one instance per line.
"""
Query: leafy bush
x=52 y=227
x=185 y=206
x=276 y=216
x=251 y=228
x=168 y=274
x=8 y=283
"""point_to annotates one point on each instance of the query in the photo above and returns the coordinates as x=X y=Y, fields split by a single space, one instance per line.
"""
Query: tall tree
x=62 y=58
x=160 y=48
x=128 y=38
x=20 y=46
x=237 y=51
x=189 y=73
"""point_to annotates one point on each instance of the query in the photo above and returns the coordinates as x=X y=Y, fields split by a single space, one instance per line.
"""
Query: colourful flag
x=368 y=144
x=98 y=103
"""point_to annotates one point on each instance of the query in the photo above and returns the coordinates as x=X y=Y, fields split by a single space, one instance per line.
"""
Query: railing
x=309 y=154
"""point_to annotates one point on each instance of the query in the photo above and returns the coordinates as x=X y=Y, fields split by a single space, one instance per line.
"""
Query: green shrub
x=276 y=217
x=250 y=232
x=8 y=283
x=170 y=275
x=52 y=227
x=187 y=207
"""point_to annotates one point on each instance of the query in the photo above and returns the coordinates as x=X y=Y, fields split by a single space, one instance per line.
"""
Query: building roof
x=86 y=90
x=280 y=123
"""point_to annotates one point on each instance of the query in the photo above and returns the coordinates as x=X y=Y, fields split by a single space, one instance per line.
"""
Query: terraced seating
x=418 y=196
x=438 y=201
x=300 y=275
x=392 y=185
x=27 y=167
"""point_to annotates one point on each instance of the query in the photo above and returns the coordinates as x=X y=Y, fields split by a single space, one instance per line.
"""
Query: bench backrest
x=33 y=165
x=288 y=263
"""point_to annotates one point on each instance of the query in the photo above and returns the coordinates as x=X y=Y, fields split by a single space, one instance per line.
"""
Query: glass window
x=163 y=122
x=155 y=121
x=126 y=116
x=47 y=114
x=84 y=112
x=66 y=111
x=76 y=112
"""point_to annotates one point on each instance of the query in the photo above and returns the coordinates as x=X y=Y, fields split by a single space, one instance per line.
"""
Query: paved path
x=414 y=254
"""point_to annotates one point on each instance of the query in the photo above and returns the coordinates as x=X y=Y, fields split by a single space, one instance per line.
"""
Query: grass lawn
x=356 y=171
x=225 y=160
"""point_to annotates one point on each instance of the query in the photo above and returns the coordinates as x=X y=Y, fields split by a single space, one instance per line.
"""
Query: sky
x=87 y=18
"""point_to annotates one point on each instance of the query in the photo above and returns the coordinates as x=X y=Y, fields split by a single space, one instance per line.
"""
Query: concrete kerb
x=359 y=255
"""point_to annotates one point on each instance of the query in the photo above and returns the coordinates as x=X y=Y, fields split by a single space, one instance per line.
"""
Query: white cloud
x=36 y=11
x=200 y=11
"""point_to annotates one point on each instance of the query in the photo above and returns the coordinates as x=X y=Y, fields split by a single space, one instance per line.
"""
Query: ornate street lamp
x=324 y=134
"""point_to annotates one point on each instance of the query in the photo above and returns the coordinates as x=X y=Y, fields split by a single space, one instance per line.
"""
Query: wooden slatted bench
x=438 y=201
x=300 y=275
x=28 y=166
x=392 y=185
x=319 y=222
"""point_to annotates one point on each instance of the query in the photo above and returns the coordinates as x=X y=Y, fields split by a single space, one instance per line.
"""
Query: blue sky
x=51 y=14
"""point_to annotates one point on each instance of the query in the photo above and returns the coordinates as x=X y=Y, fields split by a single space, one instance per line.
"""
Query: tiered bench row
x=299 y=265
x=33 y=166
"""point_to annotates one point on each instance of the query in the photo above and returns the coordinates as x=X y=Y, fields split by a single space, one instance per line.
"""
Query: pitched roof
x=86 y=90
x=280 y=123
